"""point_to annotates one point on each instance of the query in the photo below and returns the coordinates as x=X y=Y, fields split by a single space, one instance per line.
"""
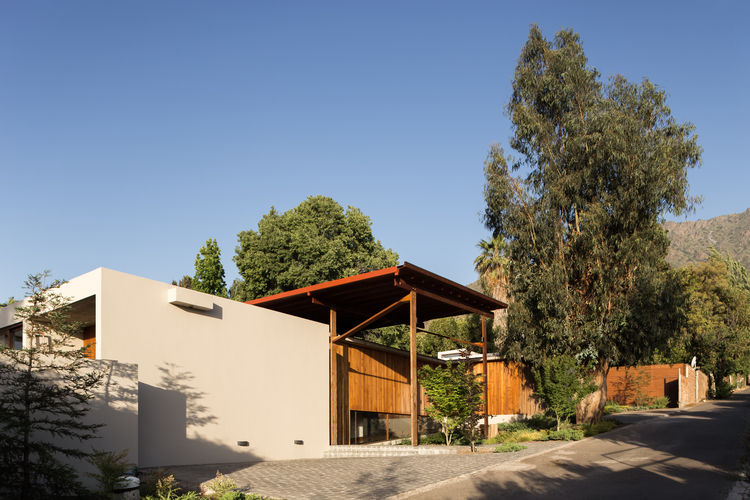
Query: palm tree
x=492 y=266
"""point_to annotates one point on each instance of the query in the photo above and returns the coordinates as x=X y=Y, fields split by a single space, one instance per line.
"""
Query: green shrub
x=521 y=435
x=110 y=467
x=159 y=485
x=540 y=421
x=220 y=487
x=599 y=427
x=518 y=425
x=661 y=402
x=561 y=384
x=509 y=448
x=723 y=390
x=434 y=438
x=565 y=435
x=232 y=495
x=615 y=407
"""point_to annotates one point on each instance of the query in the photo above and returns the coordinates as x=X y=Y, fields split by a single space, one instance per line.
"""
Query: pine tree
x=209 y=272
x=44 y=393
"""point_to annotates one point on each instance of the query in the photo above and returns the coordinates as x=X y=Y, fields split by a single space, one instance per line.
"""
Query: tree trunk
x=591 y=408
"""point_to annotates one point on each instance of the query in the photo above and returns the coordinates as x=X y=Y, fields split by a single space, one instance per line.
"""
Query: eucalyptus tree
x=600 y=164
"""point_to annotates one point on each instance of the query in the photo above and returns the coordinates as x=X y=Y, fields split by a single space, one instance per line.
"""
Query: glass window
x=16 y=337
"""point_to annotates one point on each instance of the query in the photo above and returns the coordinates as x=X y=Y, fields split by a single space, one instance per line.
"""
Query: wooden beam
x=333 y=385
x=486 y=380
x=371 y=319
x=403 y=284
x=413 y=368
x=475 y=344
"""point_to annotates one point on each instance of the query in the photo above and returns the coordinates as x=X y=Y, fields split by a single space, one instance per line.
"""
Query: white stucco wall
x=210 y=379
x=74 y=290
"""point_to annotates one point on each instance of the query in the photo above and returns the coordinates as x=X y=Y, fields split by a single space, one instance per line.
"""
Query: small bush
x=661 y=402
x=599 y=427
x=509 y=448
x=110 y=467
x=540 y=421
x=518 y=425
x=220 y=487
x=518 y=436
x=615 y=407
x=159 y=485
x=435 y=438
x=565 y=435
x=723 y=390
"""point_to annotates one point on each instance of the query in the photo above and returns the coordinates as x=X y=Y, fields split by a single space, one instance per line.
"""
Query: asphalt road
x=685 y=454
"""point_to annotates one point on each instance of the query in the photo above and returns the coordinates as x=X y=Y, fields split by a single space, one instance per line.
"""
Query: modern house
x=195 y=378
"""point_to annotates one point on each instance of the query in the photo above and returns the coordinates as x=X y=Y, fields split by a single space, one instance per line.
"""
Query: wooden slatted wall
x=510 y=389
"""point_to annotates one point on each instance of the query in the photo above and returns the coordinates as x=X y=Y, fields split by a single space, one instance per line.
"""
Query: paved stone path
x=348 y=478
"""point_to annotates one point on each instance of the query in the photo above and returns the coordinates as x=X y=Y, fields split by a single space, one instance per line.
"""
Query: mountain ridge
x=691 y=240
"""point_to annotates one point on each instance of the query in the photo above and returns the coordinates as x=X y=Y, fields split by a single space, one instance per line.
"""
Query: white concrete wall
x=74 y=290
x=210 y=379
x=115 y=406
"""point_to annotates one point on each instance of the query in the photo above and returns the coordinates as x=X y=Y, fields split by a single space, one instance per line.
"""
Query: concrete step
x=386 y=451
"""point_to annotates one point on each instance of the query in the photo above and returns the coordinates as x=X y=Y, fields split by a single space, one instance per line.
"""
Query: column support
x=333 y=386
x=486 y=380
x=413 y=368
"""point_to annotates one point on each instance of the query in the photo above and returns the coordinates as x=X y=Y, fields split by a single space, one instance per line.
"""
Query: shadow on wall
x=116 y=407
x=166 y=412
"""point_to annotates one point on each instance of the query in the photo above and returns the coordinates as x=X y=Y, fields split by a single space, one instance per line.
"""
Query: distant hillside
x=692 y=239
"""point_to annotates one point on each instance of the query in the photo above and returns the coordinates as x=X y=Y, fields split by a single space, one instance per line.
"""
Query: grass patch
x=509 y=448
x=599 y=427
x=541 y=428
x=570 y=434
x=614 y=407
x=436 y=438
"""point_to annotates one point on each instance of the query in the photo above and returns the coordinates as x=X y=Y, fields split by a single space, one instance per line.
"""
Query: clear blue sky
x=130 y=132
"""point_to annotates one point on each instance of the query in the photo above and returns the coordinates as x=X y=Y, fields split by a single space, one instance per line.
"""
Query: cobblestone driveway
x=348 y=478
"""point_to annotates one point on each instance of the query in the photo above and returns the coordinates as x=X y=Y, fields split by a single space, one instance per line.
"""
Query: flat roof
x=359 y=297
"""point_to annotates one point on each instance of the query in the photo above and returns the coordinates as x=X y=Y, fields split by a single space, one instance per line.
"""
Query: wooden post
x=413 y=368
x=486 y=380
x=333 y=386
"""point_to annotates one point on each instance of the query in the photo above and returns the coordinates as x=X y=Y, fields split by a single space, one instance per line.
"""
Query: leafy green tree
x=467 y=327
x=209 y=272
x=314 y=242
x=562 y=384
x=185 y=282
x=454 y=393
x=600 y=164
x=44 y=393
x=716 y=325
x=396 y=336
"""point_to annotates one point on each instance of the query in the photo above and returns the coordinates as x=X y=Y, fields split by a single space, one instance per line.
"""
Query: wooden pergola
x=380 y=298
